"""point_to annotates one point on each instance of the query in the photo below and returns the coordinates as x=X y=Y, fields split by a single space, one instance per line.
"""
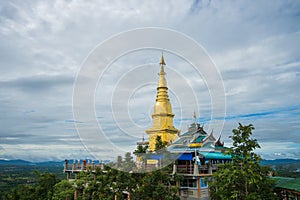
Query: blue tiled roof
x=199 y=139
x=215 y=155
x=185 y=156
x=179 y=141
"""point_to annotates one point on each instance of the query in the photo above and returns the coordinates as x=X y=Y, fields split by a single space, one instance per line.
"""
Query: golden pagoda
x=162 y=116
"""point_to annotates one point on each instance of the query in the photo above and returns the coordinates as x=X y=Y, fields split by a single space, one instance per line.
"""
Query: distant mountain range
x=24 y=162
x=60 y=163
x=280 y=162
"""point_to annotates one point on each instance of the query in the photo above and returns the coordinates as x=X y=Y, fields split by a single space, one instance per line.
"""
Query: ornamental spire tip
x=162 y=60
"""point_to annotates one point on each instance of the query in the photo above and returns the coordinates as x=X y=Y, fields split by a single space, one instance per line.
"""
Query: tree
x=158 y=185
x=119 y=162
x=140 y=149
x=140 y=154
x=63 y=190
x=83 y=179
x=102 y=187
x=46 y=181
x=159 y=144
x=243 y=178
x=127 y=164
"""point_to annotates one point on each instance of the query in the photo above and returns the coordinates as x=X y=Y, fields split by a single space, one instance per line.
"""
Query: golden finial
x=162 y=60
x=195 y=117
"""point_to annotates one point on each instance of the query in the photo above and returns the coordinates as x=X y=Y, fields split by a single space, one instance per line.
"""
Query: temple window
x=188 y=183
x=203 y=183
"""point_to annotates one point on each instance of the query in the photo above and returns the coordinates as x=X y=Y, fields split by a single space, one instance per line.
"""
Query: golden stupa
x=162 y=116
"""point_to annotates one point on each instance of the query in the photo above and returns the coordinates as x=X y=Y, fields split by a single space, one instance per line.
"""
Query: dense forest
x=14 y=175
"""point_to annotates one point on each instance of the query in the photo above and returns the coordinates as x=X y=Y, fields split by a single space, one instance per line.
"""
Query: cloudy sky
x=255 y=46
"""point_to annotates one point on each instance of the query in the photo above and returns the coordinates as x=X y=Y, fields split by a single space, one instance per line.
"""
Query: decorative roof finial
x=195 y=117
x=162 y=60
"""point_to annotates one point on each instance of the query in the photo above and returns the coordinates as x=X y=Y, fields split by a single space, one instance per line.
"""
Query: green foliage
x=159 y=144
x=243 y=178
x=129 y=164
x=287 y=170
x=140 y=149
x=13 y=176
x=140 y=153
x=46 y=181
x=111 y=184
x=157 y=185
x=23 y=192
x=119 y=162
x=41 y=191
x=63 y=190
x=243 y=145
x=102 y=186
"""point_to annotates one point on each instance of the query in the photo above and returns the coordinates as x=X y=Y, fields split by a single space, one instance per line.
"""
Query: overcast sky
x=255 y=46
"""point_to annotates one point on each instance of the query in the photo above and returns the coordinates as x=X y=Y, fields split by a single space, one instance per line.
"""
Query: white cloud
x=43 y=44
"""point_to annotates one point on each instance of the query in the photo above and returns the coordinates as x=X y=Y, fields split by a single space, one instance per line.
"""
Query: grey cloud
x=38 y=83
x=254 y=44
x=39 y=137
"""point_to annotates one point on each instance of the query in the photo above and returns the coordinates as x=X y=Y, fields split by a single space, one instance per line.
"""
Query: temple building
x=196 y=152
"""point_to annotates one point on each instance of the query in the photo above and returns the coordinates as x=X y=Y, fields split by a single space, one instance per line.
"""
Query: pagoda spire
x=162 y=60
x=162 y=89
x=162 y=116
